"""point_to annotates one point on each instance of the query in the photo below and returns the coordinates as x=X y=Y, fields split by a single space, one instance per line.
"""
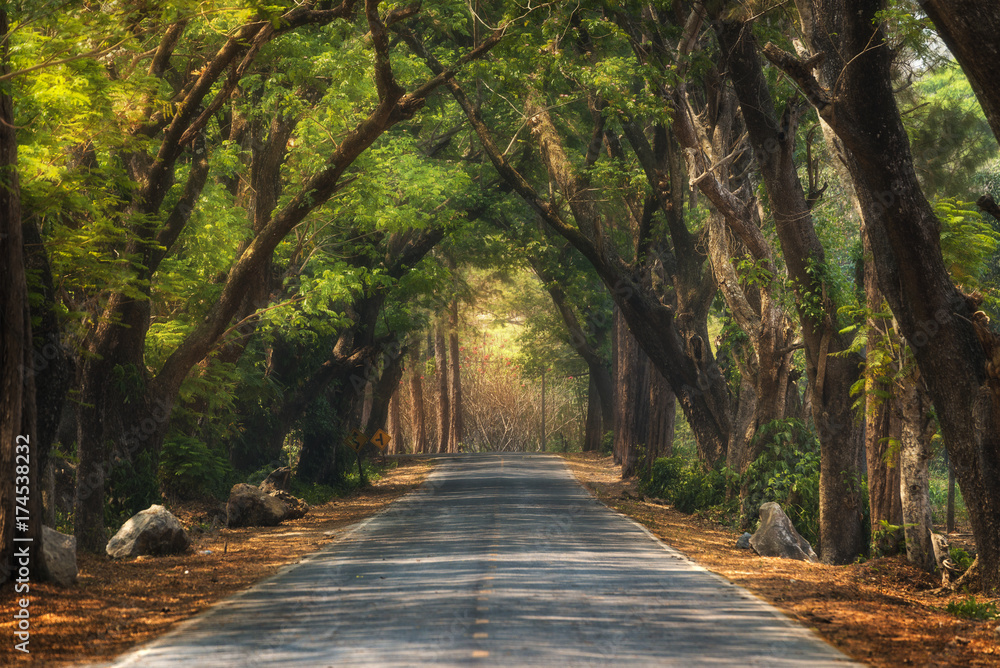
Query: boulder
x=151 y=531
x=250 y=507
x=296 y=507
x=776 y=537
x=278 y=481
x=743 y=542
x=58 y=557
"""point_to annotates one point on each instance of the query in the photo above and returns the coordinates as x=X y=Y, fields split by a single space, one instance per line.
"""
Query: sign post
x=381 y=441
x=356 y=441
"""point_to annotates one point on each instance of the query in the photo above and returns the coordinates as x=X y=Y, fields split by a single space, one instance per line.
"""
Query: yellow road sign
x=381 y=439
x=356 y=440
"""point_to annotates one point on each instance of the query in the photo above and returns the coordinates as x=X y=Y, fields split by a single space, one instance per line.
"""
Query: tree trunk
x=904 y=235
x=662 y=411
x=950 y=510
x=456 y=430
x=395 y=427
x=632 y=404
x=441 y=377
x=971 y=29
x=383 y=390
x=883 y=429
x=914 y=469
x=18 y=458
x=593 y=432
x=322 y=439
x=419 y=444
x=830 y=369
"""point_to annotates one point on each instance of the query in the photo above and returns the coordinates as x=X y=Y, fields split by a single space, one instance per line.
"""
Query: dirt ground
x=116 y=605
x=879 y=612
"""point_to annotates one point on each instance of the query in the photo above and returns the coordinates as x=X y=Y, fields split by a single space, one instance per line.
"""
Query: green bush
x=970 y=608
x=786 y=472
x=685 y=484
x=190 y=469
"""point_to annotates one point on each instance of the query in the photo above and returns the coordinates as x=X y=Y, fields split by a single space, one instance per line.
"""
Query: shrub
x=685 y=484
x=189 y=468
x=970 y=608
x=786 y=472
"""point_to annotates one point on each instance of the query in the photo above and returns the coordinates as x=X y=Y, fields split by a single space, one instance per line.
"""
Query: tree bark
x=904 y=235
x=456 y=429
x=395 y=427
x=971 y=29
x=662 y=411
x=441 y=378
x=18 y=458
x=383 y=390
x=593 y=430
x=914 y=470
x=632 y=399
x=883 y=428
x=419 y=436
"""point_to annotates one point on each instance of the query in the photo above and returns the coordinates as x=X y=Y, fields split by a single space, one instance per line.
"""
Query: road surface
x=497 y=560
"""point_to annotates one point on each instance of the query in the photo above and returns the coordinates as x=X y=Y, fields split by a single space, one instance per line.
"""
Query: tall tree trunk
x=914 y=468
x=904 y=235
x=831 y=370
x=383 y=390
x=419 y=444
x=662 y=411
x=456 y=430
x=18 y=460
x=441 y=378
x=395 y=427
x=632 y=405
x=882 y=428
x=593 y=431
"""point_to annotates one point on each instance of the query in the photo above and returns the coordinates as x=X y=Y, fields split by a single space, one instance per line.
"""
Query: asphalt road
x=497 y=560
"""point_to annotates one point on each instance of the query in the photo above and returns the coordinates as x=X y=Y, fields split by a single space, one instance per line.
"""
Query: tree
x=456 y=428
x=832 y=370
x=18 y=458
x=441 y=379
x=904 y=235
x=419 y=444
x=120 y=403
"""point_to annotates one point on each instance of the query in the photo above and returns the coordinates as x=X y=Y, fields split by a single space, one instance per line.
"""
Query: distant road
x=497 y=560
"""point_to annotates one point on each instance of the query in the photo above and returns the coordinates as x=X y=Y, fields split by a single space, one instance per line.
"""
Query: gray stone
x=58 y=557
x=776 y=537
x=151 y=531
x=279 y=480
x=250 y=507
x=743 y=542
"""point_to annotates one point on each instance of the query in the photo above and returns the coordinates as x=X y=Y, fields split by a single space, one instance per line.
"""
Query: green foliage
x=970 y=608
x=685 y=484
x=786 y=472
x=967 y=241
x=191 y=469
x=889 y=539
x=131 y=487
x=961 y=558
x=314 y=493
